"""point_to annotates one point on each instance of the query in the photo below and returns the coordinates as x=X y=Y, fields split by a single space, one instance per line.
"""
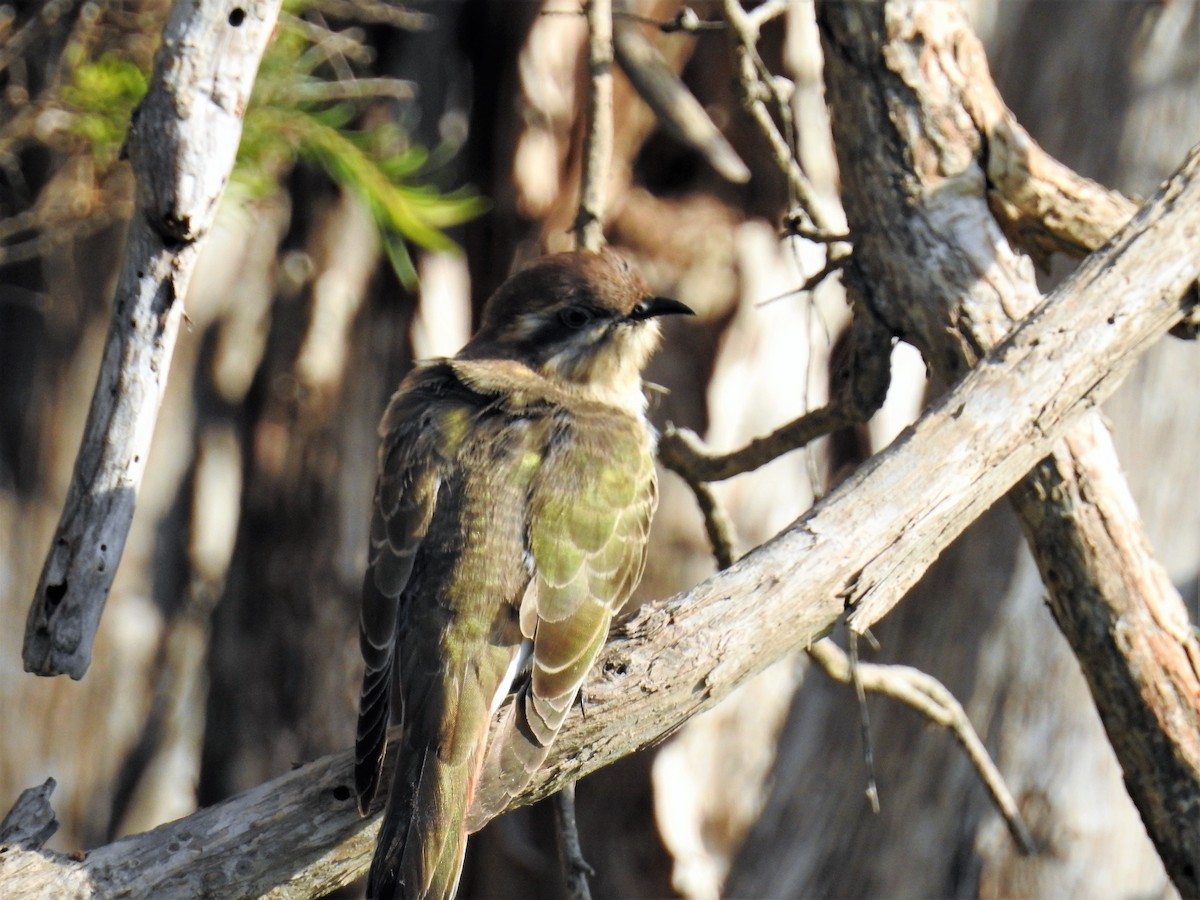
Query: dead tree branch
x=676 y=108
x=182 y=144
x=900 y=77
x=872 y=537
x=756 y=86
x=860 y=391
x=598 y=145
x=933 y=700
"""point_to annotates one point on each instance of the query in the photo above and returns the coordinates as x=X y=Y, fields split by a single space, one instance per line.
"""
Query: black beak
x=659 y=306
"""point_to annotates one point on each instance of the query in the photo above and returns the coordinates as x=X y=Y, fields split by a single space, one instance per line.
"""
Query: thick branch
x=182 y=144
x=1042 y=205
x=903 y=81
x=872 y=537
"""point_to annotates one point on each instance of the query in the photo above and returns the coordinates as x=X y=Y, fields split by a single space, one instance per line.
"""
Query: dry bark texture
x=675 y=658
x=182 y=145
x=262 y=466
x=930 y=80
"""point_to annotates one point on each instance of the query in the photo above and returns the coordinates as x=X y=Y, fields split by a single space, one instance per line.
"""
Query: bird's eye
x=575 y=316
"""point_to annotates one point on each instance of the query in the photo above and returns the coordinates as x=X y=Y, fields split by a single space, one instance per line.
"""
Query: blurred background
x=397 y=163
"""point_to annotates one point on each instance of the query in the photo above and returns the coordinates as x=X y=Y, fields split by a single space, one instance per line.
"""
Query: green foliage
x=102 y=94
x=303 y=107
x=300 y=109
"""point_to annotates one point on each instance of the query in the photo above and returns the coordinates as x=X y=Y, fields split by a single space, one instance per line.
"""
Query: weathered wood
x=925 y=144
x=598 y=145
x=31 y=821
x=874 y=535
x=182 y=144
x=298 y=835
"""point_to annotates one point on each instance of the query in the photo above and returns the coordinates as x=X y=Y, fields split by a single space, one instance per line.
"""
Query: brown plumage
x=515 y=492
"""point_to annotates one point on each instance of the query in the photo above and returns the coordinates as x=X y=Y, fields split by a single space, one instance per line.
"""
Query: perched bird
x=516 y=486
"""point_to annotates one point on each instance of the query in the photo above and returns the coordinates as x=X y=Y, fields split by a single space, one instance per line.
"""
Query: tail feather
x=515 y=754
x=421 y=845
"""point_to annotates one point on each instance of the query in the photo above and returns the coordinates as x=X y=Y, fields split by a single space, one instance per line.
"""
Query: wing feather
x=411 y=468
x=589 y=513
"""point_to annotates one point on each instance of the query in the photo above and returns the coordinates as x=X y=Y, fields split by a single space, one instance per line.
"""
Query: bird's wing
x=589 y=517
x=589 y=520
x=440 y=620
x=412 y=462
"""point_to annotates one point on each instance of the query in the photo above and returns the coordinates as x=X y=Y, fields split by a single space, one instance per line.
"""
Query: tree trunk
x=978 y=623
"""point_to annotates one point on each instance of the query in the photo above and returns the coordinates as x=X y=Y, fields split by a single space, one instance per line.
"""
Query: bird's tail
x=516 y=752
x=422 y=840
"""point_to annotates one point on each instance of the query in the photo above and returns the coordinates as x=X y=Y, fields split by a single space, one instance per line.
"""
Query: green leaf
x=102 y=95
x=377 y=161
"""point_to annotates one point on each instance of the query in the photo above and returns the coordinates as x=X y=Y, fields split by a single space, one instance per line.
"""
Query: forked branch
x=300 y=833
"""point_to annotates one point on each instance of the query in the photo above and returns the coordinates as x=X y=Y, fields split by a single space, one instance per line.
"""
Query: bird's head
x=583 y=320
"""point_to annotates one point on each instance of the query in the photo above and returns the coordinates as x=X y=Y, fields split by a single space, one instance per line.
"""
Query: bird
x=515 y=489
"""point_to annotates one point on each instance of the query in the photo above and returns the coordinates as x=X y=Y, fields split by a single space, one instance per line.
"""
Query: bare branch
x=31 y=822
x=675 y=107
x=300 y=833
x=1042 y=205
x=182 y=145
x=754 y=84
x=933 y=700
x=353 y=89
x=915 y=189
x=376 y=11
x=570 y=854
x=598 y=145
x=863 y=387
x=683 y=452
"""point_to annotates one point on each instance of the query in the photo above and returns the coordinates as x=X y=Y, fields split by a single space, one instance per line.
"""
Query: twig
x=575 y=868
x=860 y=391
x=864 y=723
x=833 y=263
x=334 y=47
x=682 y=451
x=379 y=13
x=793 y=224
x=352 y=89
x=598 y=144
x=675 y=658
x=752 y=83
x=717 y=524
x=675 y=107
x=182 y=145
x=687 y=21
x=933 y=700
